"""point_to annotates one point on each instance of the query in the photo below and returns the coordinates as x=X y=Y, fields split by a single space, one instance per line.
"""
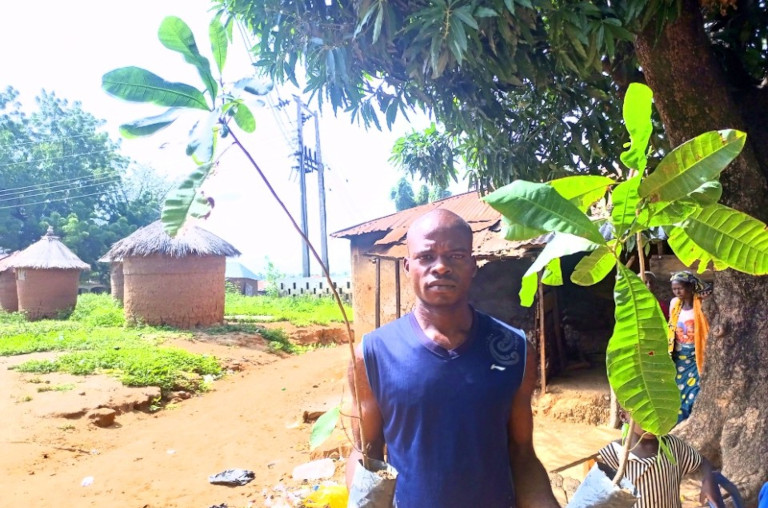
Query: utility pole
x=302 y=183
x=321 y=193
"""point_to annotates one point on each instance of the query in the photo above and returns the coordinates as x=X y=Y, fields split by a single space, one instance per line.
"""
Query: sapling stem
x=331 y=284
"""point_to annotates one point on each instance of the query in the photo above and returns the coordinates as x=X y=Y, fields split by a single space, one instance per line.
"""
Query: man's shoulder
x=506 y=344
x=495 y=325
x=393 y=328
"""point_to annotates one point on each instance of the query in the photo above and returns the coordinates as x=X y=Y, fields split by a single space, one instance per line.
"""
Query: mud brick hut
x=173 y=281
x=47 y=277
x=116 y=281
x=9 y=301
x=382 y=292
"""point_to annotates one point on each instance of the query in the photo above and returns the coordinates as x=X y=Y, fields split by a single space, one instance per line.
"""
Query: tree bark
x=729 y=423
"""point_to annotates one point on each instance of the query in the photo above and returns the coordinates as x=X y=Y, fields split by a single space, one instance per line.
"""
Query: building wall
x=313 y=286
x=495 y=291
x=183 y=292
x=46 y=293
x=247 y=287
x=9 y=301
x=116 y=281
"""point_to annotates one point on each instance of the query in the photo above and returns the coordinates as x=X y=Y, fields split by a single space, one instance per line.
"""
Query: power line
x=51 y=184
x=47 y=159
x=67 y=189
x=52 y=139
x=49 y=201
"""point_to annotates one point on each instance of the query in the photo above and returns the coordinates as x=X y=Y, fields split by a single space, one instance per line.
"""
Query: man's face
x=440 y=265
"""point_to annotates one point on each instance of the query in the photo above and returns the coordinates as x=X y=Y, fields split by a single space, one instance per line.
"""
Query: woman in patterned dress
x=688 y=329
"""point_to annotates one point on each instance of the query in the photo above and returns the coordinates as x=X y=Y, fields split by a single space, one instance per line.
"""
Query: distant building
x=242 y=277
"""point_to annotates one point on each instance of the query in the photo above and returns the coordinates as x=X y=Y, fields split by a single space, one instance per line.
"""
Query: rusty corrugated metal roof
x=469 y=206
x=484 y=221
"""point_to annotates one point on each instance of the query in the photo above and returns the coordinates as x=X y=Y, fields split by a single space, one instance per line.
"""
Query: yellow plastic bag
x=328 y=496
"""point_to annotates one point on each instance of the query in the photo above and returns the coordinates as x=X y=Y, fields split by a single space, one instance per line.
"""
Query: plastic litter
x=327 y=496
x=232 y=477
x=374 y=488
x=598 y=491
x=315 y=470
x=87 y=481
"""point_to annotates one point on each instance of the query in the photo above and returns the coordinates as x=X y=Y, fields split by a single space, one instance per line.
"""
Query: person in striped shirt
x=656 y=478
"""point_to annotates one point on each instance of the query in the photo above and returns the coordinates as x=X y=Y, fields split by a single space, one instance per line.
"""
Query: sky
x=66 y=47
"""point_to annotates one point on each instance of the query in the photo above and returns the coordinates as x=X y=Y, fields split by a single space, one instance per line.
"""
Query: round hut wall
x=116 y=280
x=46 y=293
x=184 y=292
x=9 y=301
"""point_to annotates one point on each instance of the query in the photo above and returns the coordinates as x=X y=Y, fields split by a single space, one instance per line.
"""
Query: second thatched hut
x=172 y=281
x=47 y=277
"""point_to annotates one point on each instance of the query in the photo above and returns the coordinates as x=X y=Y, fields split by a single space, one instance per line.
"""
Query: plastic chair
x=730 y=488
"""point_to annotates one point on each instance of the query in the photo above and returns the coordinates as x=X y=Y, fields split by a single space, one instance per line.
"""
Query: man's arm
x=709 y=488
x=531 y=480
x=371 y=420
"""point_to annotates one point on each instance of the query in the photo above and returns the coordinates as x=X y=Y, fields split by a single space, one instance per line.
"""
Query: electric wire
x=105 y=183
x=48 y=159
x=47 y=201
x=53 y=184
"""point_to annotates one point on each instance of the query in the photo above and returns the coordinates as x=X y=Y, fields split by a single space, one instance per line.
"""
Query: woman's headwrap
x=698 y=285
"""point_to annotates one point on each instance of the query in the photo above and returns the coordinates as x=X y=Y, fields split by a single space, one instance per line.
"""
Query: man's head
x=440 y=262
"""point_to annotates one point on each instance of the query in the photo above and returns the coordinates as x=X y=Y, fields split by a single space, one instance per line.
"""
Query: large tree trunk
x=730 y=418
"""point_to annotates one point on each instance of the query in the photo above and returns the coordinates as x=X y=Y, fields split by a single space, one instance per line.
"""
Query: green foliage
x=58 y=169
x=429 y=156
x=539 y=208
x=323 y=427
x=139 y=85
x=98 y=310
x=168 y=368
x=639 y=367
x=403 y=197
x=298 y=310
x=678 y=195
x=273 y=275
x=637 y=119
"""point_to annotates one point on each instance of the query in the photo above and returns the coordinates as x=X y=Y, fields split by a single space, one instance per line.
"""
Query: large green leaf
x=582 y=190
x=202 y=139
x=640 y=370
x=538 y=206
x=593 y=267
x=692 y=164
x=517 y=232
x=708 y=193
x=244 y=118
x=175 y=35
x=625 y=202
x=689 y=253
x=218 y=36
x=323 y=427
x=637 y=119
x=139 y=85
x=149 y=125
x=667 y=213
x=528 y=286
x=183 y=200
x=731 y=236
x=553 y=273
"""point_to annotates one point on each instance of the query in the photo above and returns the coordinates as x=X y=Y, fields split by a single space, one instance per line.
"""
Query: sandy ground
x=251 y=419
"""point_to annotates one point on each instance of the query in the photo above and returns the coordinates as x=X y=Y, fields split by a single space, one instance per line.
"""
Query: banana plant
x=681 y=196
x=212 y=105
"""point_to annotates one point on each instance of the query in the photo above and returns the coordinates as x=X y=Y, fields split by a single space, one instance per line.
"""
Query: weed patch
x=300 y=310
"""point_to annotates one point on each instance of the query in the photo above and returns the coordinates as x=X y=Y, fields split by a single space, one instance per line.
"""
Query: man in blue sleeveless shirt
x=445 y=389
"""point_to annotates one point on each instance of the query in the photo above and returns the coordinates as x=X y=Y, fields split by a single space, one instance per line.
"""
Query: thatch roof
x=47 y=253
x=5 y=260
x=190 y=241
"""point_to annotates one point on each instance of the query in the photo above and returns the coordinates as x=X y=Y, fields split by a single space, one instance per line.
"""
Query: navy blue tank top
x=446 y=412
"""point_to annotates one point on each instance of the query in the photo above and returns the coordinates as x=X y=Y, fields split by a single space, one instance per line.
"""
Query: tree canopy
x=57 y=169
x=527 y=88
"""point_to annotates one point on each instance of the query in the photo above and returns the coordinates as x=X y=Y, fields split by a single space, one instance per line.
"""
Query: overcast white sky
x=66 y=47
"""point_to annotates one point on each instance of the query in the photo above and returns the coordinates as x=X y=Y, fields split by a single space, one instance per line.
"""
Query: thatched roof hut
x=47 y=275
x=9 y=301
x=172 y=281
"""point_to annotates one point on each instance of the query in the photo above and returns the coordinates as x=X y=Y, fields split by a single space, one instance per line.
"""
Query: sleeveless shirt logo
x=503 y=348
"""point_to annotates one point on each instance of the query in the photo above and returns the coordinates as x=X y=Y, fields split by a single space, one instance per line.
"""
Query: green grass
x=278 y=340
x=300 y=310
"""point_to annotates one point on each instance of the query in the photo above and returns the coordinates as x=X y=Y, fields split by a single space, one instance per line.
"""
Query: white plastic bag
x=598 y=491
